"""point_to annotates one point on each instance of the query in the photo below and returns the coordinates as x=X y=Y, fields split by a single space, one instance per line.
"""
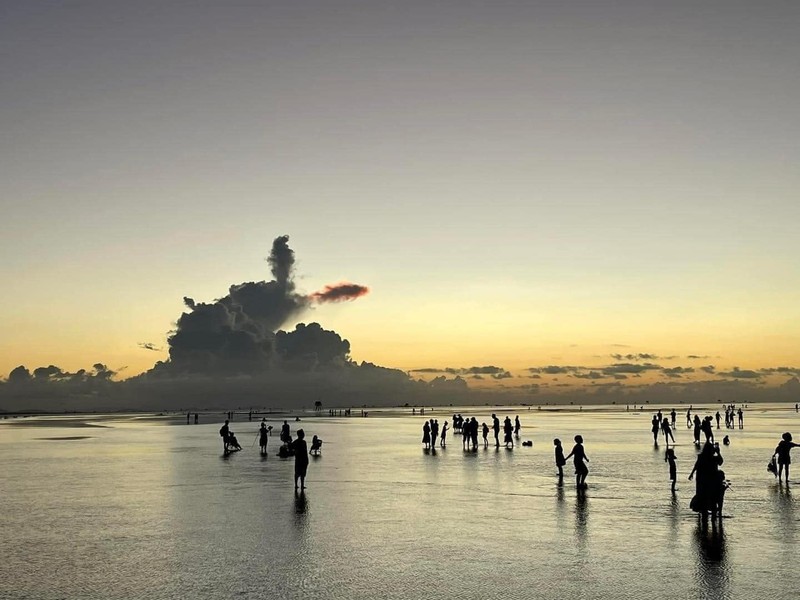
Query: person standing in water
x=485 y=429
x=782 y=451
x=496 y=428
x=741 y=418
x=263 y=436
x=473 y=432
x=443 y=442
x=517 y=426
x=224 y=432
x=578 y=454
x=508 y=430
x=560 y=460
x=655 y=426
x=669 y=457
x=434 y=432
x=426 y=435
x=300 y=459
x=673 y=415
x=697 y=425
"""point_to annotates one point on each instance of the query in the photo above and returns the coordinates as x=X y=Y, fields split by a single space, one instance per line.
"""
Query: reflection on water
x=712 y=568
x=166 y=516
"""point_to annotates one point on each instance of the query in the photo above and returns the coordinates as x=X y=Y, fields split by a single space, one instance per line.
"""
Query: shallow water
x=141 y=508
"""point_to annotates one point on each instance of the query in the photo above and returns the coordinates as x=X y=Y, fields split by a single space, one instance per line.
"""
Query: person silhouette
x=673 y=416
x=233 y=443
x=496 y=429
x=707 y=429
x=578 y=454
x=196 y=418
x=426 y=435
x=560 y=460
x=669 y=457
x=655 y=426
x=782 y=451
x=741 y=418
x=286 y=433
x=508 y=430
x=473 y=432
x=316 y=446
x=263 y=436
x=434 y=432
x=224 y=432
x=300 y=459
x=717 y=417
x=443 y=442
x=707 y=485
x=517 y=426
x=667 y=431
x=697 y=426
x=485 y=429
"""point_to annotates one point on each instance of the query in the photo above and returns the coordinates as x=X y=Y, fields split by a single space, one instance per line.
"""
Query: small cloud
x=339 y=292
x=149 y=346
x=710 y=369
x=738 y=373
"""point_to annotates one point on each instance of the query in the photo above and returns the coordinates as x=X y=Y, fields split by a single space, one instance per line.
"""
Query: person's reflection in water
x=712 y=567
x=581 y=520
x=300 y=502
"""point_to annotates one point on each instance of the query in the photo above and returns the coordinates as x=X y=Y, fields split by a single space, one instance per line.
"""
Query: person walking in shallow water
x=300 y=459
x=443 y=442
x=669 y=457
x=667 y=431
x=578 y=454
x=496 y=428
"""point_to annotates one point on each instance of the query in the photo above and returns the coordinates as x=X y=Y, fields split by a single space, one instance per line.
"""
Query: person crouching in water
x=300 y=459
x=316 y=446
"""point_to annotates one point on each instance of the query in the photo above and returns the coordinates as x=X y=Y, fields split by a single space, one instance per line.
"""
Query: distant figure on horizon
x=516 y=426
x=426 y=435
x=188 y=415
x=560 y=460
x=579 y=456
x=496 y=429
x=485 y=428
x=224 y=432
x=300 y=459
x=443 y=442
x=508 y=430
x=196 y=419
x=263 y=436
x=669 y=457
x=782 y=451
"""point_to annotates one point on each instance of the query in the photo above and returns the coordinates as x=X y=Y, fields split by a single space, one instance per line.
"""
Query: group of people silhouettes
x=289 y=447
x=469 y=430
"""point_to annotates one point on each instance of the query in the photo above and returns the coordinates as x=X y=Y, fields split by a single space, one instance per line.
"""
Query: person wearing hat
x=782 y=452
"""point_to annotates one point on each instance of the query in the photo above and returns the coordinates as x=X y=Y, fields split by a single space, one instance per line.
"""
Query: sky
x=519 y=184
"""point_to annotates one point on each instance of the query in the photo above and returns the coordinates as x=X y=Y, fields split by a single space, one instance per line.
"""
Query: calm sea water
x=147 y=508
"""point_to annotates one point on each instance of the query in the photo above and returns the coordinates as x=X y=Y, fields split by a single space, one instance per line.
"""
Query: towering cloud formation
x=339 y=292
x=235 y=334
